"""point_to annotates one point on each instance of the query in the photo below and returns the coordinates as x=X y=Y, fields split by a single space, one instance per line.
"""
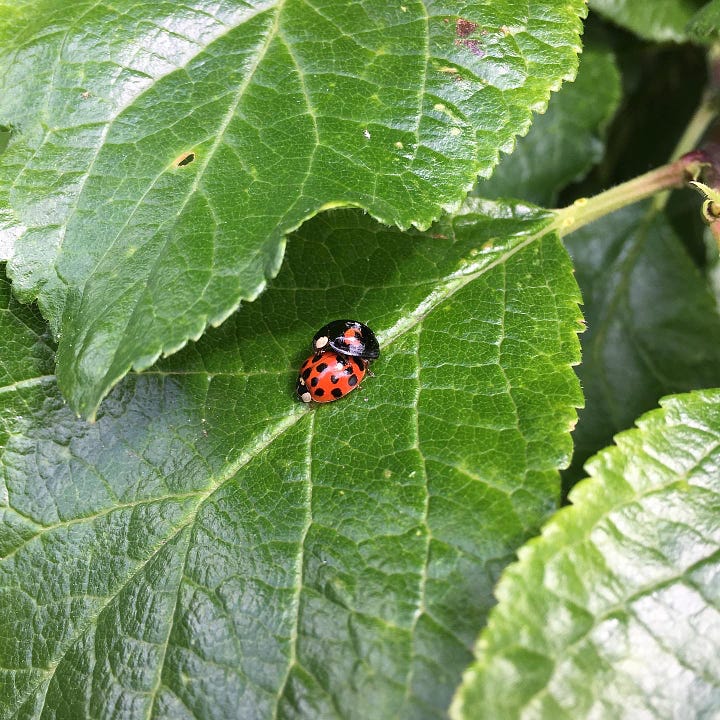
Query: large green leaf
x=212 y=548
x=614 y=612
x=565 y=142
x=657 y=20
x=653 y=325
x=162 y=151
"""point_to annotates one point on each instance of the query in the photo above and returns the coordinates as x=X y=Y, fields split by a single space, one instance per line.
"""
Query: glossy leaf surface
x=614 y=611
x=564 y=142
x=162 y=151
x=212 y=548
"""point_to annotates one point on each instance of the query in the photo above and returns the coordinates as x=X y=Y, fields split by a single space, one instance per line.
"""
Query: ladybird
x=328 y=376
x=348 y=337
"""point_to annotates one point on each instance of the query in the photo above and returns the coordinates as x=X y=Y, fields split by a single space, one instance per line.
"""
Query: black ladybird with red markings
x=328 y=376
x=348 y=337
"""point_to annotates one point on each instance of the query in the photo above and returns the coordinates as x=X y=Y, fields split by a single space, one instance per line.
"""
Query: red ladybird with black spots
x=327 y=376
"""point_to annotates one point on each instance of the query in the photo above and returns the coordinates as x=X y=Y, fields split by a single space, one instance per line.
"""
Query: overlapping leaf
x=653 y=325
x=162 y=151
x=566 y=141
x=659 y=20
x=212 y=548
x=614 y=611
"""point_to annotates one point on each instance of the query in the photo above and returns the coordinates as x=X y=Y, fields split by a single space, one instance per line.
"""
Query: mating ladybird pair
x=342 y=351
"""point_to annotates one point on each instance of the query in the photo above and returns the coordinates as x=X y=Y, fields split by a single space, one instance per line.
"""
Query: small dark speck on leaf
x=185 y=159
x=472 y=45
x=463 y=27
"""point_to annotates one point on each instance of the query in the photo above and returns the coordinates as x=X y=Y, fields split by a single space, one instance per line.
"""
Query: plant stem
x=696 y=128
x=686 y=164
x=586 y=210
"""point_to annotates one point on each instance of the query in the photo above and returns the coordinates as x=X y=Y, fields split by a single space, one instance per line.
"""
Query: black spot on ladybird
x=336 y=392
x=322 y=367
x=306 y=373
x=352 y=380
x=314 y=382
x=319 y=392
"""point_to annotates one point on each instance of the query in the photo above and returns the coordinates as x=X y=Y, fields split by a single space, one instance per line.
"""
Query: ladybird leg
x=368 y=371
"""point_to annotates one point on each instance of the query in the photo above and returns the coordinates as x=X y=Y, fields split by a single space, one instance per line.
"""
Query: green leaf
x=4 y=140
x=704 y=26
x=211 y=547
x=653 y=325
x=613 y=612
x=659 y=20
x=27 y=348
x=565 y=142
x=27 y=359
x=163 y=151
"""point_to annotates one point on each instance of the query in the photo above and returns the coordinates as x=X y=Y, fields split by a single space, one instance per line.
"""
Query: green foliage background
x=187 y=193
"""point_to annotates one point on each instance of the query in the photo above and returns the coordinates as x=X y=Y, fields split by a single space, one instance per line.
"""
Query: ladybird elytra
x=328 y=376
x=349 y=337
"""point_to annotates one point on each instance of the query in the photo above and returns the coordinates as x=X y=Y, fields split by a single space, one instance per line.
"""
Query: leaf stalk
x=586 y=210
